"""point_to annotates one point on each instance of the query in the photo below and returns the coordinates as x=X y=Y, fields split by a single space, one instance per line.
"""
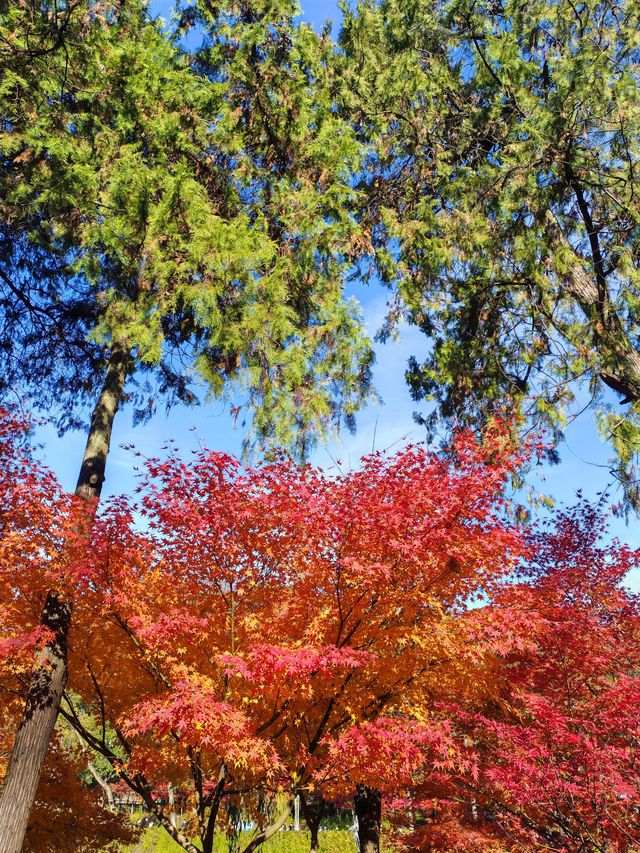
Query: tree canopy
x=249 y=635
x=181 y=223
x=501 y=202
x=140 y=210
x=142 y=251
x=549 y=761
x=273 y=630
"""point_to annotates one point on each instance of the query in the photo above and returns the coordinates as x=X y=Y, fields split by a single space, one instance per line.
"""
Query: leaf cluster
x=143 y=207
x=501 y=200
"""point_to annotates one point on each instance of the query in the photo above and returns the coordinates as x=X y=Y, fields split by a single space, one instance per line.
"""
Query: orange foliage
x=277 y=629
x=251 y=633
x=38 y=529
x=68 y=816
x=270 y=630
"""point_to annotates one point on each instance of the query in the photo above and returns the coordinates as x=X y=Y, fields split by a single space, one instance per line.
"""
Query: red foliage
x=274 y=628
x=555 y=757
x=258 y=631
x=39 y=530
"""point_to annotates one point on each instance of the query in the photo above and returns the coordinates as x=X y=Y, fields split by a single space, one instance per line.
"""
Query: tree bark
x=49 y=676
x=620 y=360
x=313 y=810
x=209 y=837
x=143 y=788
x=106 y=787
x=368 y=807
x=269 y=831
x=173 y=817
x=94 y=461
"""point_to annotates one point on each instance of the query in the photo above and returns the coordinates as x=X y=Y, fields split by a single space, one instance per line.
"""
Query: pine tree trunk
x=368 y=807
x=49 y=676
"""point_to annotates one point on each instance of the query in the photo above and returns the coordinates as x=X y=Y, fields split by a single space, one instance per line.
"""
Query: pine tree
x=138 y=254
x=502 y=201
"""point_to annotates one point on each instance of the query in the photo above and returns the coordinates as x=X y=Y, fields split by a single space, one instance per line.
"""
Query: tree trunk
x=94 y=461
x=313 y=810
x=368 y=807
x=106 y=787
x=49 y=676
x=268 y=832
x=173 y=817
x=620 y=359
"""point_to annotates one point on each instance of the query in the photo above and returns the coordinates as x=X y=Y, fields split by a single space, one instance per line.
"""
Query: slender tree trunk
x=315 y=844
x=368 y=807
x=106 y=787
x=313 y=810
x=94 y=461
x=208 y=838
x=173 y=817
x=144 y=790
x=269 y=831
x=49 y=676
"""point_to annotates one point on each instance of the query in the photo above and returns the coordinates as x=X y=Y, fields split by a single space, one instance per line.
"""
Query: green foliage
x=71 y=743
x=147 y=200
x=502 y=198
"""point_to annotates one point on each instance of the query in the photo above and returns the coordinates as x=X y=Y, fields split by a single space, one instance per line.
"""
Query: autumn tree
x=552 y=759
x=560 y=767
x=137 y=255
x=68 y=815
x=37 y=525
x=501 y=202
x=276 y=631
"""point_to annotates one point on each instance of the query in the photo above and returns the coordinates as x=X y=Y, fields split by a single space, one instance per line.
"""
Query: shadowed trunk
x=49 y=676
x=313 y=811
x=368 y=807
x=209 y=837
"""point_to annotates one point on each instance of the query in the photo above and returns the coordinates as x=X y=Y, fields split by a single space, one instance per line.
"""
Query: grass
x=332 y=841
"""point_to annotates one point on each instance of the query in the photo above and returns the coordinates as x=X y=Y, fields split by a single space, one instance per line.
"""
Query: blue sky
x=383 y=425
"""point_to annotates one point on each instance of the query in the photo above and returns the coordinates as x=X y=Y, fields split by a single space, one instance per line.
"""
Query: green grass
x=331 y=841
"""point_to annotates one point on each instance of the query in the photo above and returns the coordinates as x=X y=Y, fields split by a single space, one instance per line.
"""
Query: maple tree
x=551 y=760
x=38 y=526
x=275 y=631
